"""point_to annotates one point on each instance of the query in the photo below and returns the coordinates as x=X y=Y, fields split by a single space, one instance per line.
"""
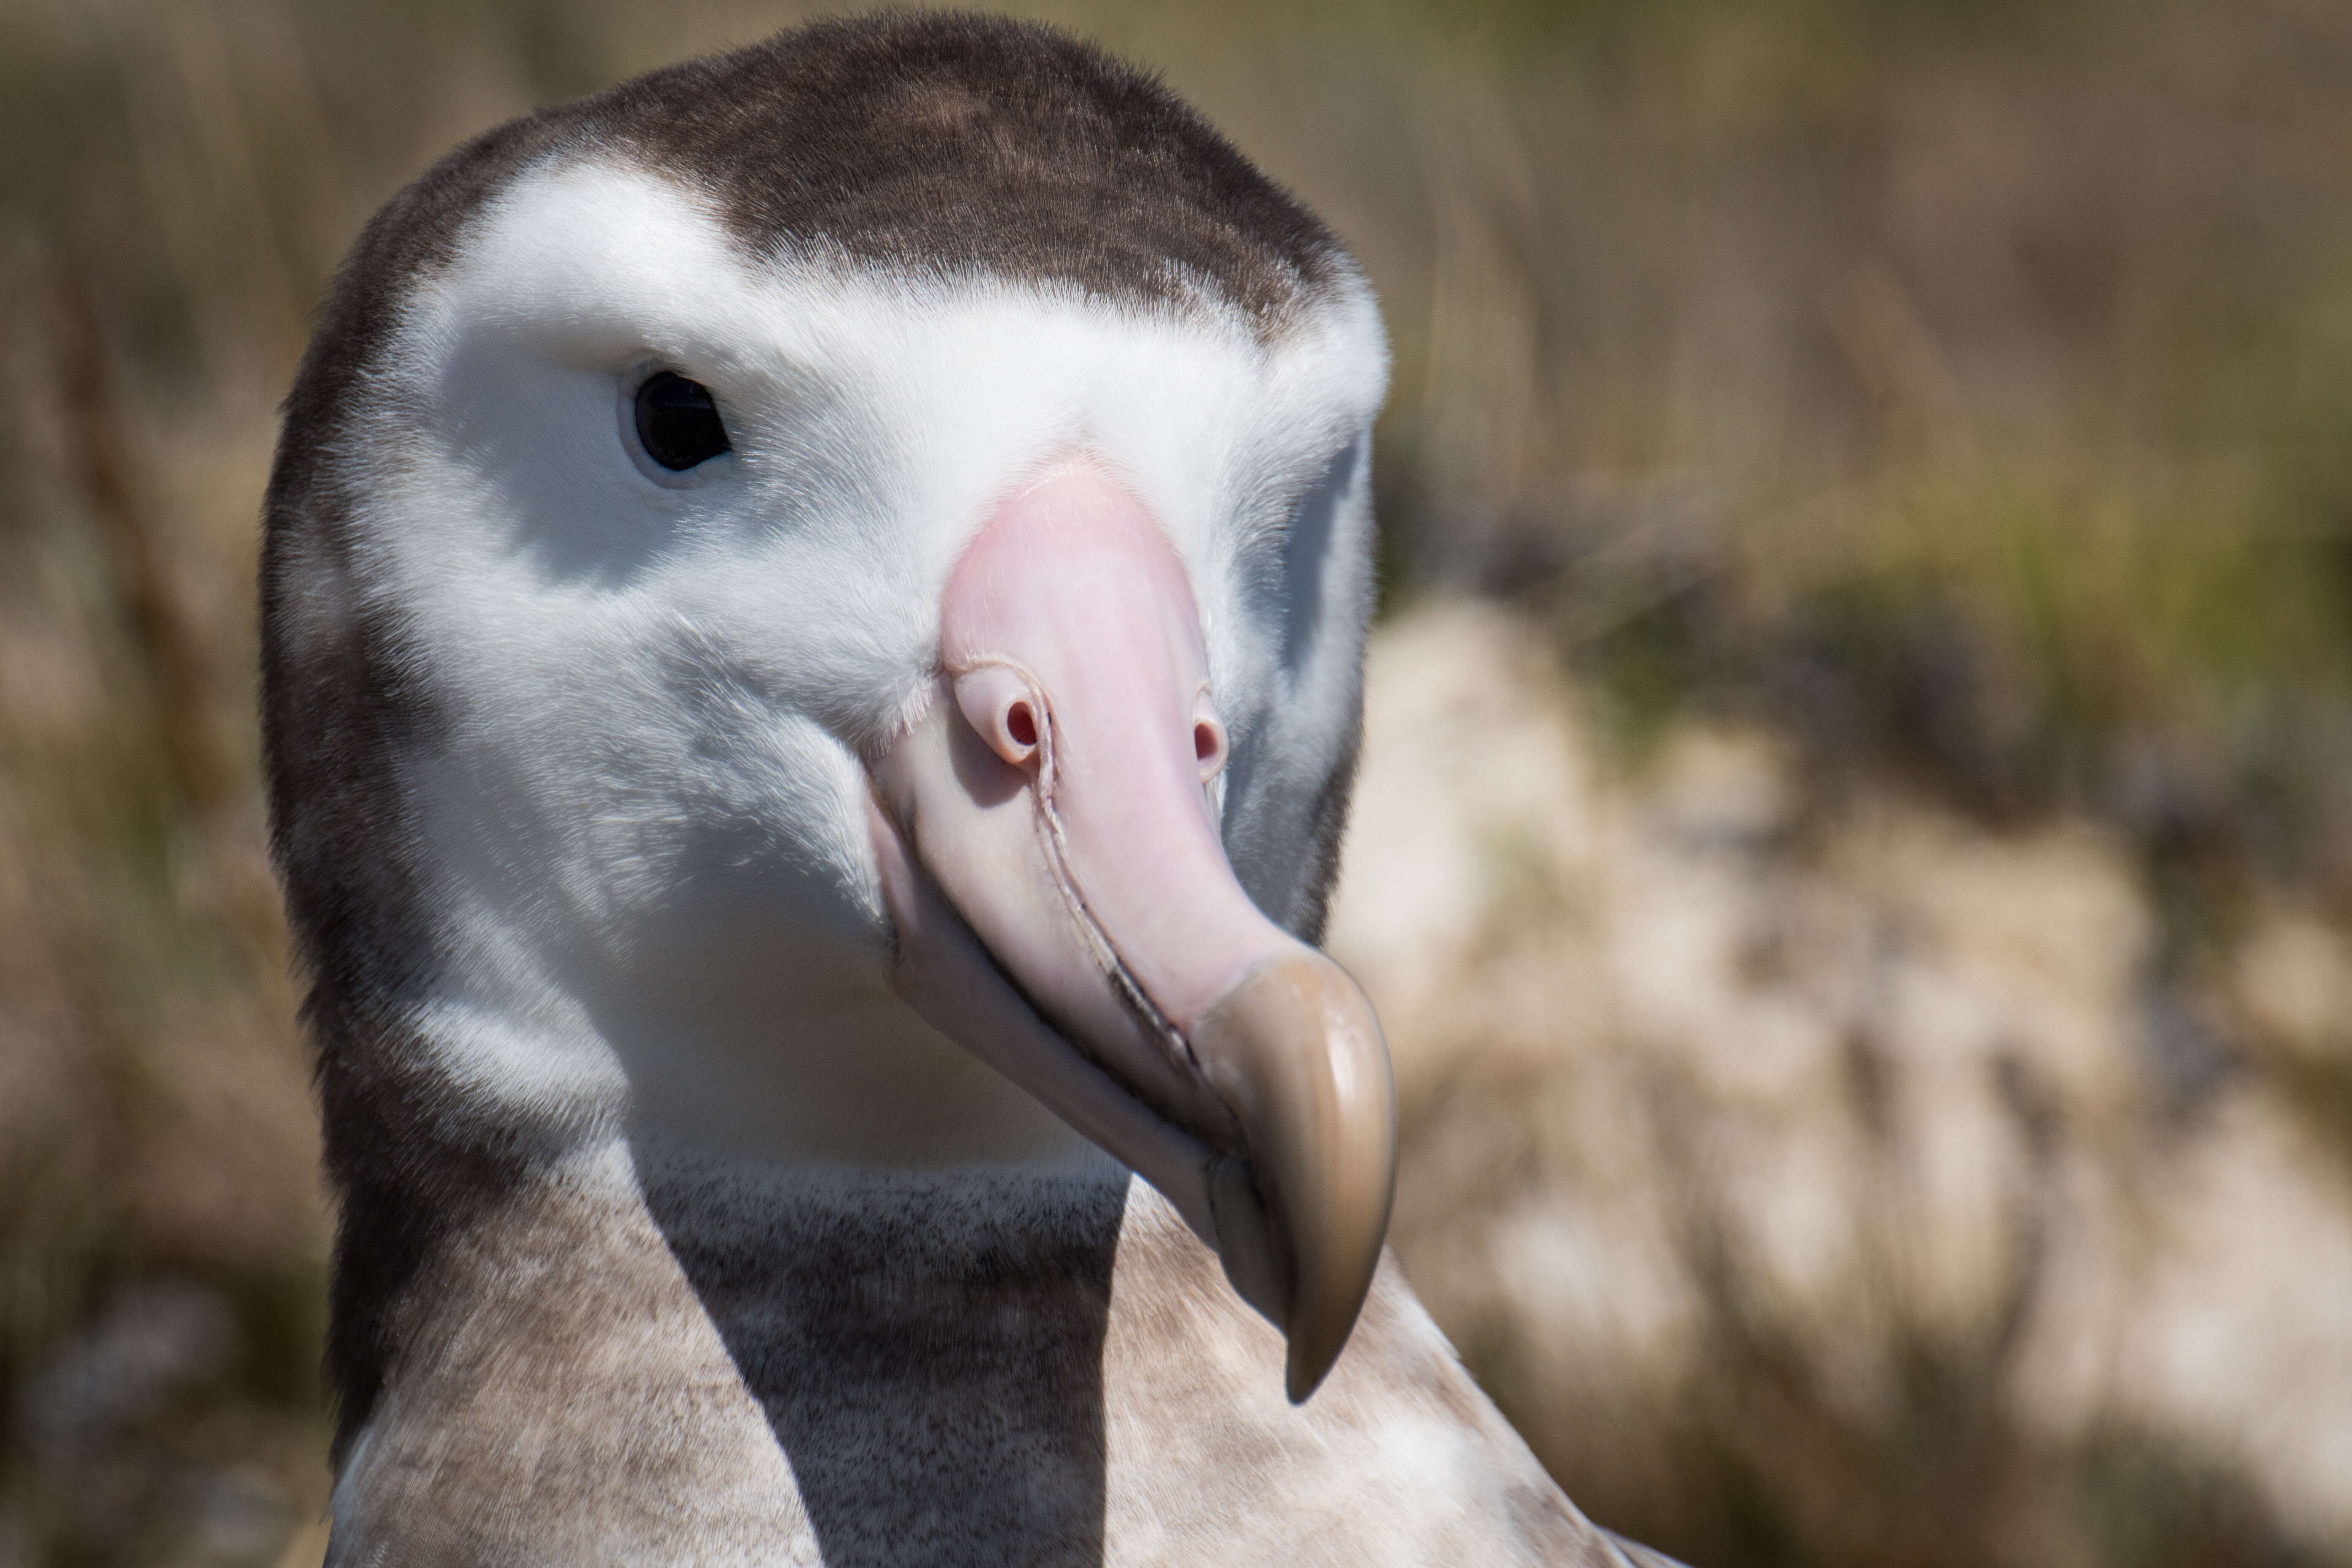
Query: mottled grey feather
x=938 y=1369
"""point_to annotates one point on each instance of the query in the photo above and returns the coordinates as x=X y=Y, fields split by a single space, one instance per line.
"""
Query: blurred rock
x=150 y=1342
x=1853 y=1142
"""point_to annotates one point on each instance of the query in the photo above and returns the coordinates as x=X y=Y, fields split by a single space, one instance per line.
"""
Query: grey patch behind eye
x=1307 y=554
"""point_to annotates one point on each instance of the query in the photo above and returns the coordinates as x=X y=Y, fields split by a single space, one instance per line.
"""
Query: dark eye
x=677 y=422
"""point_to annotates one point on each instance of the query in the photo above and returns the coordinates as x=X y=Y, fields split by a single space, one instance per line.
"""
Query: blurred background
x=1855 y=847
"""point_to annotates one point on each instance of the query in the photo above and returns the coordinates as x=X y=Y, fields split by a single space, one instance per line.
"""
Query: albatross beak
x=1064 y=909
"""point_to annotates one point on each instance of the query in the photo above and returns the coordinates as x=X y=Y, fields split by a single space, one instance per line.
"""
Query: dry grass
x=1954 y=392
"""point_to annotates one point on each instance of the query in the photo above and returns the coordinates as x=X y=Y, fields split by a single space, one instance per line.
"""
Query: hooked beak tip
x=1294 y=1050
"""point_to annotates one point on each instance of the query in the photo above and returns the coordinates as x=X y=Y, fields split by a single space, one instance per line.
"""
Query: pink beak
x=1066 y=910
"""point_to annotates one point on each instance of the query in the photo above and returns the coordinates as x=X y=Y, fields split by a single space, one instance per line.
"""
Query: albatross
x=814 y=607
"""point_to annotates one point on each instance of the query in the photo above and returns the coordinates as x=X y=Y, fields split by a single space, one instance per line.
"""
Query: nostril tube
x=1208 y=739
x=998 y=702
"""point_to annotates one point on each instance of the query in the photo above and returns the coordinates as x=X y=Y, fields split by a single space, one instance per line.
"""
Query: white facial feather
x=645 y=825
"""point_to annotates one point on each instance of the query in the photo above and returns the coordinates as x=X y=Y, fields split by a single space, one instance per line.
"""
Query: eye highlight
x=677 y=422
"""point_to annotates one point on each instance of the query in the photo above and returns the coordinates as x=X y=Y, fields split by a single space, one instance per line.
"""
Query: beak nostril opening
x=1208 y=736
x=1000 y=704
x=1209 y=747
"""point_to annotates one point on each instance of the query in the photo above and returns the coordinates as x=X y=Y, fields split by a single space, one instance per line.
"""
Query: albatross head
x=815 y=610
